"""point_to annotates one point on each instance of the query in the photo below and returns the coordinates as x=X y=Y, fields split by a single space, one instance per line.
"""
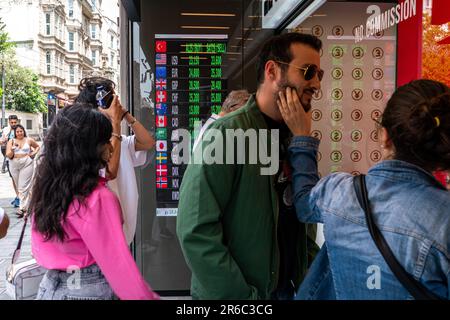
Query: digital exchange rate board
x=189 y=87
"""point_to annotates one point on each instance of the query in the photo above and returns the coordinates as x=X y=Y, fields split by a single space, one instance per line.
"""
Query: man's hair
x=279 y=48
x=235 y=100
x=13 y=117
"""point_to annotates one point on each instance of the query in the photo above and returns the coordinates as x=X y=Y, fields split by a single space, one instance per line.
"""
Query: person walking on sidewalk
x=76 y=219
x=21 y=151
x=8 y=134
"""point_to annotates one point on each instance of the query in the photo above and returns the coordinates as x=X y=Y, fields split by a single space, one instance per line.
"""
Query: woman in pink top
x=77 y=227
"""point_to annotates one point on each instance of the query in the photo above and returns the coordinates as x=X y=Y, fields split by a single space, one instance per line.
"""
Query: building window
x=71 y=41
x=94 y=5
x=29 y=125
x=70 y=6
x=112 y=60
x=93 y=31
x=48 y=62
x=47 y=24
x=94 y=57
x=72 y=74
x=112 y=42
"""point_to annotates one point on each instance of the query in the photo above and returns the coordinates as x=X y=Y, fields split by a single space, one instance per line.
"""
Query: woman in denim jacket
x=410 y=207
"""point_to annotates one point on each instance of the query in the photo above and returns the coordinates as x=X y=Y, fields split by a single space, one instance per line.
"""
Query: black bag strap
x=414 y=287
x=16 y=254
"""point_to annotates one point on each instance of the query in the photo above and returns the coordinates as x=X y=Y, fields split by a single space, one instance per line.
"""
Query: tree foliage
x=435 y=57
x=22 y=91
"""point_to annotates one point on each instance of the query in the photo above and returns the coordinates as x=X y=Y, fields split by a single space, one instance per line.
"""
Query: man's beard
x=284 y=83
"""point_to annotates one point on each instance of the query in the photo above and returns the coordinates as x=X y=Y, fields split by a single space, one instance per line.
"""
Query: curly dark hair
x=68 y=168
x=88 y=90
x=417 y=119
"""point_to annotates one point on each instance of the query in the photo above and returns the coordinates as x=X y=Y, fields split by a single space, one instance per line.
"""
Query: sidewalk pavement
x=9 y=243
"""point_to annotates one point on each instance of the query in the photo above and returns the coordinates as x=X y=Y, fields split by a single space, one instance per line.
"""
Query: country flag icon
x=161 y=170
x=161 y=121
x=161 y=157
x=161 y=183
x=161 y=109
x=161 y=96
x=161 y=58
x=161 y=146
x=161 y=84
x=161 y=72
x=161 y=134
x=161 y=46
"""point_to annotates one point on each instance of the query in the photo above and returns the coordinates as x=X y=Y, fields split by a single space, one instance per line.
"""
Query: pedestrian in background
x=234 y=100
x=7 y=134
x=77 y=220
x=21 y=151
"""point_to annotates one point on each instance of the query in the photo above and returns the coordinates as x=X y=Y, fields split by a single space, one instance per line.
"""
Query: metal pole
x=3 y=96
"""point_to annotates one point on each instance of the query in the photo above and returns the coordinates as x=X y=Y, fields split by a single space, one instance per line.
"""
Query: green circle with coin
x=336 y=135
x=336 y=156
x=337 y=73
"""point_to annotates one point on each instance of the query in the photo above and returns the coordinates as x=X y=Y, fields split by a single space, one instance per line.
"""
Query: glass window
x=112 y=60
x=112 y=42
x=72 y=74
x=48 y=58
x=94 y=57
x=29 y=125
x=93 y=31
x=47 y=24
x=70 y=6
x=71 y=41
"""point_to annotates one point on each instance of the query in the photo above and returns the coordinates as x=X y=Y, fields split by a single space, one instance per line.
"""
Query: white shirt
x=125 y=184
x=208 y=122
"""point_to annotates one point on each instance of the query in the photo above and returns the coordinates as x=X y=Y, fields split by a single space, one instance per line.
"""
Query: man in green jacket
x=236 y=223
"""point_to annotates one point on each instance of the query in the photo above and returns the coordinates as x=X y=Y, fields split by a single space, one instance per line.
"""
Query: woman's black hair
x=88 y=88
x=20 y=127
x=68 y=168
x=417 y=119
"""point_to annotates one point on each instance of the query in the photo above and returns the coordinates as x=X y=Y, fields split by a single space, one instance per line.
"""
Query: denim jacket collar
x=404 y=171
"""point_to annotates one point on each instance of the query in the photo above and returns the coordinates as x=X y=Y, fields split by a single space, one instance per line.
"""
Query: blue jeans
x=83 y=284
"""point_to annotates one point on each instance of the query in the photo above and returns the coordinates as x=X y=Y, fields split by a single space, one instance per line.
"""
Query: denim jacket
x=411 y=209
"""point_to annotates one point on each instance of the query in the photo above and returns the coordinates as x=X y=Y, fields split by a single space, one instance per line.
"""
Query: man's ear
x=270 y=70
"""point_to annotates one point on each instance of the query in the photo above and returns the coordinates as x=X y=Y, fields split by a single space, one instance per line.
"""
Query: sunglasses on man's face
x=309 y=72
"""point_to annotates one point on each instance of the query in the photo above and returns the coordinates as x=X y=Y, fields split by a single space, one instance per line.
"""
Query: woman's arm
x=35 y=146
x=144 y=140
x=9 y=150
x=114 y=114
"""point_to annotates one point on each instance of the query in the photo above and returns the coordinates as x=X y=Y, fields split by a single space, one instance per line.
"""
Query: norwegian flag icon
x=161 y=96
x=161 y=84
x=161 y=121
x=161 y=183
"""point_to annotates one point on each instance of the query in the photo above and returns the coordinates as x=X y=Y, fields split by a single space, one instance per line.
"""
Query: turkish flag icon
x=440 y=12
x=161 y=46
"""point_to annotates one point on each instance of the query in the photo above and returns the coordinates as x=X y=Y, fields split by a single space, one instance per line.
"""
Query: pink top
x=95 y=235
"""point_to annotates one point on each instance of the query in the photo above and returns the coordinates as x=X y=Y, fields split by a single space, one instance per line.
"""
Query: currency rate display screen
x=189 y=87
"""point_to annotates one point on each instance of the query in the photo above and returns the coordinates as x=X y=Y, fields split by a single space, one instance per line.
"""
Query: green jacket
x=227 y=223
